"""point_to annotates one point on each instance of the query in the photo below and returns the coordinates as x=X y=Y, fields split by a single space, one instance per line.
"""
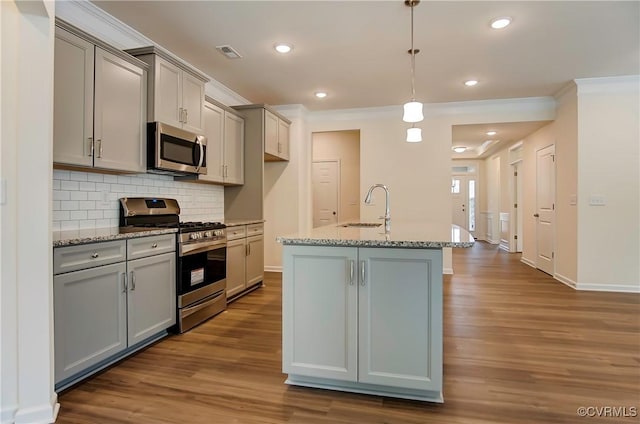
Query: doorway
x=545 y=209
x=335 y=177
x=464 y=189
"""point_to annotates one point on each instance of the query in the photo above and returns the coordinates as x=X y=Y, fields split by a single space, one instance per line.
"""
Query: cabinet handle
x=180 y=111
x=94 y=255
x=154 y=245
x=124 y=282
x=249 y=247
x=133 y=280
x=278 y=147
x=226 y=171
x=99 y=141
x=352 y=266
x=186 y=116
x=362 y=267
x=90 y=146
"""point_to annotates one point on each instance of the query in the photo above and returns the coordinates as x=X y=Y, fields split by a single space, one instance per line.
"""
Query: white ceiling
x=357 y=50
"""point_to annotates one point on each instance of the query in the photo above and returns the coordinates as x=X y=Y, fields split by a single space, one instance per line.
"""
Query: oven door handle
x=201 y=158
x=191 y=249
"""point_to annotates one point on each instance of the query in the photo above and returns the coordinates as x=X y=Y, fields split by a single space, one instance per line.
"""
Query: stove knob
x=193 y=236
x=208 y=234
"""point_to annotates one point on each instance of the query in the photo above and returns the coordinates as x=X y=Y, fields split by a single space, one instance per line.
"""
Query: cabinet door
x=236 y=263
x=283 y=139
x=213 y=130
x=151 y=302
x=90 y=318
x=270 y=133
x=319 y=310
x=255 y=260
x=400 y=318
x=72 y=100
x=168 y=93
x=119 y=114
x=233 y=149
x=192 y=103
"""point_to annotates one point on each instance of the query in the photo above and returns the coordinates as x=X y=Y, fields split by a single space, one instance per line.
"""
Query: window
x=472 y=205
x=455 y=186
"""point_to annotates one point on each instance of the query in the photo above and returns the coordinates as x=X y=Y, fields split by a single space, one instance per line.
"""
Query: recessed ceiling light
x=490 y=133
x=459 y=149
x=283 y=47
x=321 y=94
x=499 y=23
x=470 y=83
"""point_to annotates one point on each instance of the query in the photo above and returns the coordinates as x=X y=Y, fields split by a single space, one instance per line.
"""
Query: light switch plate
x=597 y=200
x=573 y=199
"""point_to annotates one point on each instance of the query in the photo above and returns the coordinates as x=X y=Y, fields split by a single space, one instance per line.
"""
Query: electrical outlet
x=597 y=200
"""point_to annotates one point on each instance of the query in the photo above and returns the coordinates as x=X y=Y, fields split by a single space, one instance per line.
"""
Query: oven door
x=201 y=269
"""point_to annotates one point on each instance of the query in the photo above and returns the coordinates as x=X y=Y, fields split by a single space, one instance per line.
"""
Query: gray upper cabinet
x=272 y=128
x=225 y=145
x=176 y=91
x=99 y=105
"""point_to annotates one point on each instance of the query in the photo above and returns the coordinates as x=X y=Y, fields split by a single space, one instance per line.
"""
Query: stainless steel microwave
x=172 y=150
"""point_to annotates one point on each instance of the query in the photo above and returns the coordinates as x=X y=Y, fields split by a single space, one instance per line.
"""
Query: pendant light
x=414 y=135
x=412 y=109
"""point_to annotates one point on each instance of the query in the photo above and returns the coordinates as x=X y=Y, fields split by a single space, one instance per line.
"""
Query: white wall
x=608 y=166
x=26 y=354
x=78 y=198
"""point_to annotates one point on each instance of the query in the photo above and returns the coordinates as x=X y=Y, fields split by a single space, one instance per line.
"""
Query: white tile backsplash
x=90 y=200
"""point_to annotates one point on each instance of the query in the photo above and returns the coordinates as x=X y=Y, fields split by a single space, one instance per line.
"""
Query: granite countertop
x=92 y=235
x=403 y=234
x=234 y=222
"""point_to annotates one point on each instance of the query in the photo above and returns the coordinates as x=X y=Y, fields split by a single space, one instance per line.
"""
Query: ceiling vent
x=229 y=51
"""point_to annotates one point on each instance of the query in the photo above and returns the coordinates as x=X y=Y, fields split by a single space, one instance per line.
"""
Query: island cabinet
x=110 y=299
x=366 y=320
x=176 y=91
x=99 y=112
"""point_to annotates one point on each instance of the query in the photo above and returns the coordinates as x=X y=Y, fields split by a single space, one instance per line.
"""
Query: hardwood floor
x=519 y=347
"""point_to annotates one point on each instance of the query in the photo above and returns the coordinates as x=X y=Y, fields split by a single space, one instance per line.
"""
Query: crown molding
x=607 y=85
x=565 y=89
x=545 y=105
x=293 y=111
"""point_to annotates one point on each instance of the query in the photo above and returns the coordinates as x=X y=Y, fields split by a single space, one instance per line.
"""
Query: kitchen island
x=362 y=308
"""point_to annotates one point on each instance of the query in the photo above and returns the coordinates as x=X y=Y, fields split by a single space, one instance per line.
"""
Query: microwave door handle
x=199 y=143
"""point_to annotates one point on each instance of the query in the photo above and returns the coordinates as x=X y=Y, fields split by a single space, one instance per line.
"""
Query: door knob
x=334 y=212
x=536 y=215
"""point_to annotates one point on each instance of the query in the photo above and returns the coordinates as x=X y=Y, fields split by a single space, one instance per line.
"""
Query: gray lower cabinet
x=106 y=306
x=245 y=258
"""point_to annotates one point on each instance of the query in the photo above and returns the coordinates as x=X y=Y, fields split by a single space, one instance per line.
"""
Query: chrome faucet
x=387 y=215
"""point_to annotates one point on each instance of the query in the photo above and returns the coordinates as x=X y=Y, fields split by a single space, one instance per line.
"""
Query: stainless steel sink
x=362 y=224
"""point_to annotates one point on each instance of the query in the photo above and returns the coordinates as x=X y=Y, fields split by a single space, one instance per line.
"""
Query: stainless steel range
x=202 y=257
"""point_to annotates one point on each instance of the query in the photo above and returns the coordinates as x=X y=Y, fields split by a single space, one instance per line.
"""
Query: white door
x=545 y=208
x=460 y=201
x=325 y=193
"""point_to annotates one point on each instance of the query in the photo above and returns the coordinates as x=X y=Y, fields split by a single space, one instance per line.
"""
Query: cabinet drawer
x=255 y=229
x=148 y=246
x=236 y=232
x=74 y=258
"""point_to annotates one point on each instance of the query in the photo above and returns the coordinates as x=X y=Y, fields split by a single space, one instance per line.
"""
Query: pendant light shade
x=414 y=135
x=413 y=112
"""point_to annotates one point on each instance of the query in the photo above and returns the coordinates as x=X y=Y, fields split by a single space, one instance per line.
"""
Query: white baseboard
x=492 y=241
x=273 y=268
x=448 y=271
x=618 y=288
x=504 y=245
x=528 y=262
x=46 y=413
x=565 y=280
x=8 y=414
